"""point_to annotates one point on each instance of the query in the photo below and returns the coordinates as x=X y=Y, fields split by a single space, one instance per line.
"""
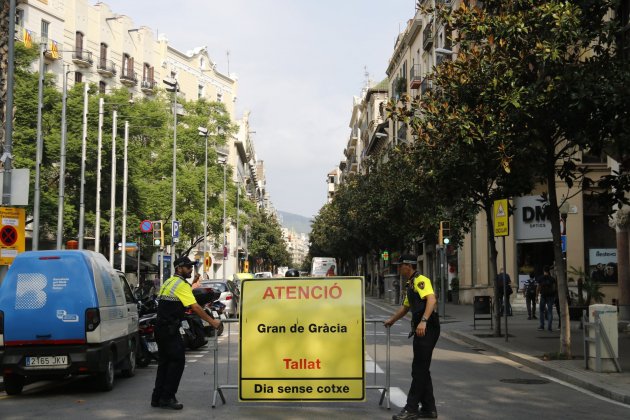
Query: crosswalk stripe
x=397 y=397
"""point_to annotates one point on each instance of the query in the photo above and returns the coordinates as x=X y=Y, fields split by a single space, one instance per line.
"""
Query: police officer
x=175 y=295
x=425 y=328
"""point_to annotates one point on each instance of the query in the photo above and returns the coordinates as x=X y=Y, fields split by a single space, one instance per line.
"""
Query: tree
x=267 y=247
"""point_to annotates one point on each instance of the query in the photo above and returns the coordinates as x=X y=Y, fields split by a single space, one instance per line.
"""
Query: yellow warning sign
x=302 y=339
x=12 y=240
x=501 y=218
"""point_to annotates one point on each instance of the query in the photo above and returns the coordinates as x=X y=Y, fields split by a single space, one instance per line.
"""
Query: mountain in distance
x=298 y=223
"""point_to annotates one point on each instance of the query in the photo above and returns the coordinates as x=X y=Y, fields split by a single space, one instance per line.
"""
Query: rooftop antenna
x=366 y=73
x=228 y=62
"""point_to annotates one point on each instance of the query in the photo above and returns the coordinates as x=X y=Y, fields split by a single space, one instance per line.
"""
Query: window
x=44 y=30
x=219 y=97
x=199 y=91
x=78 y=77
x=78 y=43
x=19 y=17
x=127 y=62
x=147 y=72
x=103 y=56
x=102 y=87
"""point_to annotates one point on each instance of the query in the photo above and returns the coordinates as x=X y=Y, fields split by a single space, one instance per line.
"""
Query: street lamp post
x=83 y=158
x=40 y=148
x=224 y=215
x=204 y=132
x=62 y=160
x=112 y=205
x=173 y=87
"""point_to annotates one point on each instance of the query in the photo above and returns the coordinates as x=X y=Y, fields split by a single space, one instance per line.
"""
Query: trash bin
x=391 y=289
x=608 y=318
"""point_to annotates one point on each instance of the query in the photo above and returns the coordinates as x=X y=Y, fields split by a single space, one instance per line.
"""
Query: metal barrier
x=600 y=336
x=383 y=387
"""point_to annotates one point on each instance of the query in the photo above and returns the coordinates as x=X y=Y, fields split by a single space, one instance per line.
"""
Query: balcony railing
x=128 y=77
x=148 y=86
x=82 y=58
x=427 y=36
x=54 y=50
x=106 y=67
x=447 y=3
x=415 y=78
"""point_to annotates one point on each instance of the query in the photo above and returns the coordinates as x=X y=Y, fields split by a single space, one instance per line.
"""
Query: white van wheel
x=130 y=363
x=105 y=379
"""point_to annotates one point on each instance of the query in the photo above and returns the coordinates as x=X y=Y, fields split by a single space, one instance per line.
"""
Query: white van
x=323 y=266
x=66 y=312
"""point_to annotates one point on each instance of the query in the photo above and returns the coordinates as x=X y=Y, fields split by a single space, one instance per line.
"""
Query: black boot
x=405 y=415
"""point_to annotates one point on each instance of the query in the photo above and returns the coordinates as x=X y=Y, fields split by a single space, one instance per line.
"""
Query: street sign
x=316 y=356
x=20 y=181
x=501 y=221
x=146 y=226
x=12 y=235
x=175 y=231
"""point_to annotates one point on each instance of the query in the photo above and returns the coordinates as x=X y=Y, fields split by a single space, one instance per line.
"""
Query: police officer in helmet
x=175 y=295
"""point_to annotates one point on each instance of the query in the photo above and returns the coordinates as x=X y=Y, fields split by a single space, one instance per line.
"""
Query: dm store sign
x=531 y=220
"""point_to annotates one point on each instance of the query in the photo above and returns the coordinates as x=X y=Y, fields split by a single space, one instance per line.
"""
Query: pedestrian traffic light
x=158 y=234
x=445 y=233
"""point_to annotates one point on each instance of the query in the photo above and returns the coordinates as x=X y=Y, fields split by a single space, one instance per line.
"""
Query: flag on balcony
x=54 y=50
x=27 y=38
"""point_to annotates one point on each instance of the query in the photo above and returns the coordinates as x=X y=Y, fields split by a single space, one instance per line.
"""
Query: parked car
x=66 y=312
x=229 y=295
x=263 y=275
x=238 y=277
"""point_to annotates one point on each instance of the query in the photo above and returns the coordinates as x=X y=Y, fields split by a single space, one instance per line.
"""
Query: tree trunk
x=492 y=264
x=553 y=213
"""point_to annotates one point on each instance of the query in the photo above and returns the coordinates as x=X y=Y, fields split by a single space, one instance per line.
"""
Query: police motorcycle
x=216 y=310
x=192 y=326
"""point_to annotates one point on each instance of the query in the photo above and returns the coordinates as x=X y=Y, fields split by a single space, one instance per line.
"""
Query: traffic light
x=445 y=233
x=158 y=234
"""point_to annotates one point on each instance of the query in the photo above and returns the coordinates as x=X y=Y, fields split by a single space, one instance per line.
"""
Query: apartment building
x=589 y=239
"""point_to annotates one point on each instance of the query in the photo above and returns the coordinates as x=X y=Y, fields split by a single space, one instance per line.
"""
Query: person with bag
x=529 y=293
x=425 y=329
x=546 y=290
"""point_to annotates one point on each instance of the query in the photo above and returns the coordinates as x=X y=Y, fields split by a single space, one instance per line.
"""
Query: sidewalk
x=527 y=346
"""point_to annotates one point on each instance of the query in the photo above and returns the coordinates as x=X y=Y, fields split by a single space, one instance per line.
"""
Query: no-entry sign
x=302 y=339
x=12 y=239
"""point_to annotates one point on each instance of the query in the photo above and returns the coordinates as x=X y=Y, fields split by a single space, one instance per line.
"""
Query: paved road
x=470 y=384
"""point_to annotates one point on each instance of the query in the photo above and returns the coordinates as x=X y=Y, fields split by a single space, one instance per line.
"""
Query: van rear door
x=44 y=297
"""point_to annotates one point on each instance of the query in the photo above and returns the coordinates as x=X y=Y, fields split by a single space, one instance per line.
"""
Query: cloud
x=299 y=65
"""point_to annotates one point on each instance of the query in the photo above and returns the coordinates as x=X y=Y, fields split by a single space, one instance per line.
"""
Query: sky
x=299 y=63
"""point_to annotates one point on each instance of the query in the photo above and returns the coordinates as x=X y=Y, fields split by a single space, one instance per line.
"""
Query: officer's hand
x=216 y=323
x=388 y=323
x=421 y=329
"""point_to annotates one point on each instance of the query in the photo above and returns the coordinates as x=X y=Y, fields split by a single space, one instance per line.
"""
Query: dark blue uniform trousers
x=171 y=361
x=421 y=390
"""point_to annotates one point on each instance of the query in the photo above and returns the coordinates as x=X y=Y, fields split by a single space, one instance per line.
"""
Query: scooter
x=216 y=310
x=192 y=326
x=148 y=349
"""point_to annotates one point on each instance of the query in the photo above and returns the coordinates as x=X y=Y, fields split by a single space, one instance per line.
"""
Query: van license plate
x=34 y=361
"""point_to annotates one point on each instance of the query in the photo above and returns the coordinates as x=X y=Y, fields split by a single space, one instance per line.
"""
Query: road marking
x=397 y=397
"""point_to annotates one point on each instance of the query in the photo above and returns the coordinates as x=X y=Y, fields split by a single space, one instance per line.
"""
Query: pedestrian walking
x=546 y=290
x=529 y=293
x=175 y=295
x=425 y=329
x=501 y=279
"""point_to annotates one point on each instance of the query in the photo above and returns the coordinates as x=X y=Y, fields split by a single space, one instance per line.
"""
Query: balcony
x=445 y=3
x=53 y=50
x=148 y=86
x=106 y=67
x=427 y=37
x=416 y=77
x=426 y=85
x=128 y=78
x=82 y=58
